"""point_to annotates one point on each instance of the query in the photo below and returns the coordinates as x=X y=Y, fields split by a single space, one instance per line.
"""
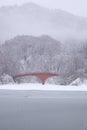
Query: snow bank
x=46 y=87
x=79 y=82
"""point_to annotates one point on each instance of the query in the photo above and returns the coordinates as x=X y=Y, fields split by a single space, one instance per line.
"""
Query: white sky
x=78 y=7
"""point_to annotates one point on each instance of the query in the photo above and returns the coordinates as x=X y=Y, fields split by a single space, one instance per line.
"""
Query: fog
x=77 y=7
x=32 y=19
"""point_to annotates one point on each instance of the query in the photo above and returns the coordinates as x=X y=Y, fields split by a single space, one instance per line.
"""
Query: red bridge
x=42 y=76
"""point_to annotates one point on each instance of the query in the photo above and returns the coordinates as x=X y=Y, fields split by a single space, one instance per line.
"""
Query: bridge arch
x=42 y=76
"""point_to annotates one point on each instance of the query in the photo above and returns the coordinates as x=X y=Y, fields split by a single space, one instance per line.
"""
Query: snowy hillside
x=26 y=54
x=61 y=46
x=32 y=19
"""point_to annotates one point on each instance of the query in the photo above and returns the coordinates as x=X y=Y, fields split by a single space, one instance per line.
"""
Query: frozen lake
x=43 y=110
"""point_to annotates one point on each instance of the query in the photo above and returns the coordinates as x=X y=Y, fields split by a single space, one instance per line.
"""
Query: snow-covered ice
x=46 y=87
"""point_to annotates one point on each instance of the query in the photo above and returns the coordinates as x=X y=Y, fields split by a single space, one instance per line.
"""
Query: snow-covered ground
x=46 y=87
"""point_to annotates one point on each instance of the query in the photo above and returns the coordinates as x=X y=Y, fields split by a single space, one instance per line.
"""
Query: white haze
x=32 y=19
x=77 y=7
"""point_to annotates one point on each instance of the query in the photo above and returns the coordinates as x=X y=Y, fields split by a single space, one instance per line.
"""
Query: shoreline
x=40 y=87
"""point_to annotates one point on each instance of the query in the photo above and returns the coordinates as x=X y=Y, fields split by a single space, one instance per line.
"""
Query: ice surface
x=42 y=110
